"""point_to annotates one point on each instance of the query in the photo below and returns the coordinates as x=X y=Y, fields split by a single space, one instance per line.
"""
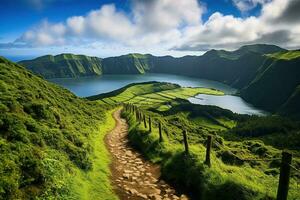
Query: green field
x=154 y=94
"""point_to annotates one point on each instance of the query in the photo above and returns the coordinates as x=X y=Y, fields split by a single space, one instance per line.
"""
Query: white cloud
x=227 y=31
x=163 y=15
x=109 y=23
x=150 y=23
x=246 y=5
x=162 y=25
x=44 y=35
x=76 y=24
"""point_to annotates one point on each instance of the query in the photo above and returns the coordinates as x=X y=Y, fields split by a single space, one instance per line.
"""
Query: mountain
x=258 y=48
x=214 y=64
x=266 y=75
x=47 y=140
x=127 y=64
x=276 y=83
x=64 y=66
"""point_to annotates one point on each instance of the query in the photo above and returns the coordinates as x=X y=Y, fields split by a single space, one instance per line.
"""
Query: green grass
x=96 y=184
x=154 y=93
x=230 y=177
x=51 y=141
x=285 y=55
x=227 y=178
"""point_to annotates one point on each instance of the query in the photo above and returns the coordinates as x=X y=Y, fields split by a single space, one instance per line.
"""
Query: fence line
x=286 y=159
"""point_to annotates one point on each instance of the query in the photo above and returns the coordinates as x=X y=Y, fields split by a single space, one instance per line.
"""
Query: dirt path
x=133 y=177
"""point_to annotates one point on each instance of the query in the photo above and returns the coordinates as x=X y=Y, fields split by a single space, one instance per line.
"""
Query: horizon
x=32 y=28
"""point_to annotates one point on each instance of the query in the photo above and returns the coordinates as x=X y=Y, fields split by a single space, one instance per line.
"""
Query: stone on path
x=133 y=177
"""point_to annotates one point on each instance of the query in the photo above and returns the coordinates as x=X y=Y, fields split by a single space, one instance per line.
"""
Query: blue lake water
x=88 y=86
x=234 y=103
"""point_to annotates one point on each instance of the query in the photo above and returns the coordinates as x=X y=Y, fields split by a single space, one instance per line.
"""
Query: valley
x=256 y=71
x=150 y=100
x=90 y=86
x=53 y=142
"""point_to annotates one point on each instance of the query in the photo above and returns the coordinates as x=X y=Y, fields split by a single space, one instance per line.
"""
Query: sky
x=104 y=28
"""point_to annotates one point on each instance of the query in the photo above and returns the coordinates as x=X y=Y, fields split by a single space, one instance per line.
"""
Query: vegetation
x=237 y=138
x=219 y=65
x=64 y=66
x=51 y=141
x=152 y=93
x=275 y=84
x=258 y=71
x=289 y=55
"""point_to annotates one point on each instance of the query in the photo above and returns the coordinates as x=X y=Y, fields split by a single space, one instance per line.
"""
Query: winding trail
x=133 y=177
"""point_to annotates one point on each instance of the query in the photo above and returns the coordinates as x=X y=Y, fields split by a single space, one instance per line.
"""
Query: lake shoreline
x=97 y=85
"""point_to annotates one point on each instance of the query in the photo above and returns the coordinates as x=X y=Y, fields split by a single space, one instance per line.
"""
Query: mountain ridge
x=249 y=69
x=61 y=65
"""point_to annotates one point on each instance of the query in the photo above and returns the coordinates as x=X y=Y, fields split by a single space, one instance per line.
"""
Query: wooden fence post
x=145 y=124
x=208 y=149
x=159 y=130
x=186 y=144
x=136 y=115
x=140 y=117
x=284 y=178
x=150 y=129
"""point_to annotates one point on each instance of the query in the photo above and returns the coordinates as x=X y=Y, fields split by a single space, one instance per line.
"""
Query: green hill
x=51 y=141
x=127 y=64
x=220 y=65
x=259 y=48
x=275 y=83
x=64 y=65
x=292 y=106
x=266 y=75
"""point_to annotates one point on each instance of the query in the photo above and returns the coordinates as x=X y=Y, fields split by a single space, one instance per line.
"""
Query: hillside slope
x=266 y=75
x=235 y=68
x=50 y=141
x=275 y=84
x=127 y=64
x=64 y=66
x=242 y=145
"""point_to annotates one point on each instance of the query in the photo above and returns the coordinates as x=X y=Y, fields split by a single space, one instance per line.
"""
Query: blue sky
x=113 y=27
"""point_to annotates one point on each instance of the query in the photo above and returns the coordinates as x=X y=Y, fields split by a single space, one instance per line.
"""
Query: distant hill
x=266 y=75
x=215 y=64
x=127 y=64
x=64 y=66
